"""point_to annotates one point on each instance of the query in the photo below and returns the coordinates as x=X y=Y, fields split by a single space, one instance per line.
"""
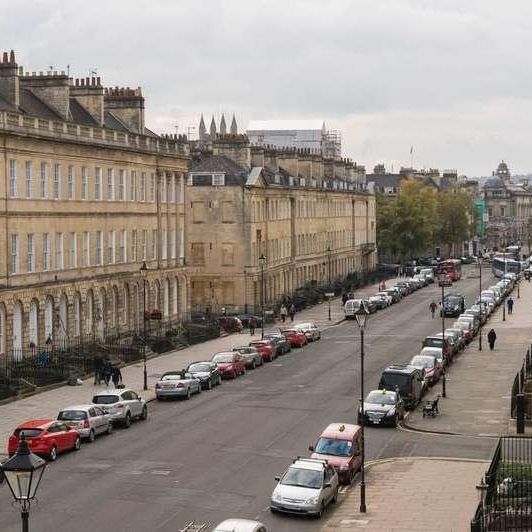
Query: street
x=216 y=456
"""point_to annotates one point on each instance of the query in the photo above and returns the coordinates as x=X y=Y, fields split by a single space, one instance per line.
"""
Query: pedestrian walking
x=510 y=303
x=283 y=312
x=98 y=365
x=107 y=372
x=116 y=376
x=433 y=307
x=292 y=311
x=251 y=325
x=491 y=339
x=345 y=297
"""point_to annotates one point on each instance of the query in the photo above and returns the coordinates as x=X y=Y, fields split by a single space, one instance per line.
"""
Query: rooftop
x=285 y=125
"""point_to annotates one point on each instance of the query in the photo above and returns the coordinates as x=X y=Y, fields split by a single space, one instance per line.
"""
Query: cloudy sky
x=450 y=77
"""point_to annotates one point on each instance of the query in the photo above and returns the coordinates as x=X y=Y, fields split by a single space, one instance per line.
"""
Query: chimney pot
x=82 y=82
x=4 y=58
x=98 y=81
x=77 y=82
x=12 y=56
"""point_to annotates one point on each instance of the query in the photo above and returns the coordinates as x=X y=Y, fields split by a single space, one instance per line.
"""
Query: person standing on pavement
x=491 y=339
x=433 y=307
x=510 y=303
x=251 y=324
x=116 y=375
x=283 y=312
x=292 y=311
x=98 y=365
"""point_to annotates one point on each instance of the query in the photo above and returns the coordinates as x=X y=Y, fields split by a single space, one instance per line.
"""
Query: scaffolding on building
x=332 y=144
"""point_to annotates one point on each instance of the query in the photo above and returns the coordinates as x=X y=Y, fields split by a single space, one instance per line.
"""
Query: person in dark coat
x=251 y=324
x=510 y=304
x=491 y=339
x=107 y=372
x=98 y=366
x=116 y=375
x=292 y=311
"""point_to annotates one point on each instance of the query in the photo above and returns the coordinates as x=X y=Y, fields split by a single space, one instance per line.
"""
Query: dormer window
x=218 y=180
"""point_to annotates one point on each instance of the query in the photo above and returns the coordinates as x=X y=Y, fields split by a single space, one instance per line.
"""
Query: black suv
x=405 y=379
x=453 y=305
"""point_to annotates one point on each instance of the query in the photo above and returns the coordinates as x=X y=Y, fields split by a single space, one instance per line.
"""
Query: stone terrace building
x=87 y=194
x=290 y=205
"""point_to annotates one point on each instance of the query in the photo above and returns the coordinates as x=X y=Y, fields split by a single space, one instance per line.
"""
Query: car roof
x=340 y=431
x=238 y=525
x=36 y=424
x=400 y=368
x=111 y=392
x=78 y=407
x=430 y=350
x=309 y=463
x=201 y=362
x=224 y=353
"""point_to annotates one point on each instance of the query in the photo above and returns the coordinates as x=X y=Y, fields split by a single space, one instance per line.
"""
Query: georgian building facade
x=302 y=212
x=87 y=194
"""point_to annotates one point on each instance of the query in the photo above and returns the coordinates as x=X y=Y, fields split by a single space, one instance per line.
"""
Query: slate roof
x=234 y=173
x=385 y=180
x=80 y=115
x=33 y=105
x=111 y=121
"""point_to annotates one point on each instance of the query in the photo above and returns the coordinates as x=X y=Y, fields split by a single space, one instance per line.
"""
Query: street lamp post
x=444 y=353
x=262 y=261
x=480 y=303
x=143 y=272
x=329 y=277
x=23 y=473
x=361 y=316
x=504 y=300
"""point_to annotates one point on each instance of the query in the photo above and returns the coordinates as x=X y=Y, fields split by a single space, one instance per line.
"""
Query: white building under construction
x=303 y=134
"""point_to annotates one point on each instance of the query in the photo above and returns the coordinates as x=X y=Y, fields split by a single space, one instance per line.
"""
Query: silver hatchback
x=88 y=420
x=122 y=405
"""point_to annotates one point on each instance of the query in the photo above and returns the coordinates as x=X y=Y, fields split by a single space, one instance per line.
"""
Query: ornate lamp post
x=444 y=353
x=262 y=262
x=480 y=304
x=329 y=277
x=143 y=272
x=361 y=316
x=23 y=473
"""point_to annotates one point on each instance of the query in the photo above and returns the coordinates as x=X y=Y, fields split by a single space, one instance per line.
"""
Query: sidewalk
x=48 y=403
x=479 y=383
x=403 y=495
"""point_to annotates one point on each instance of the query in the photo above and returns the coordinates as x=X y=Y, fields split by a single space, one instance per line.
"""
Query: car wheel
x=110 y=428
x=188 y=394
x=209 y=384
x=335 y=496
x=219 y=380
x=92 y=436
x=127 y=421
x=396 y=421
x=144 y=415
x=199 y=388
x=322 y=510
x=243 y=370
x=253 y=364
x=52 y=455
x=77 y=444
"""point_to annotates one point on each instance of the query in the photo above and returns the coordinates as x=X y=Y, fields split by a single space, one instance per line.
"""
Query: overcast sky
x=450 y=77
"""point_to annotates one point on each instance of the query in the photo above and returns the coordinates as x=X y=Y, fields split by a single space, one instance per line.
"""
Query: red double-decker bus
x=451 y=268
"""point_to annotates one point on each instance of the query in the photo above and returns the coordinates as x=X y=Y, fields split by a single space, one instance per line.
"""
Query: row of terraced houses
x=89 y=194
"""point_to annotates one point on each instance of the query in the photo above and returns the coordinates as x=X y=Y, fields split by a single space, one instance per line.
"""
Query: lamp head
x=361 y=315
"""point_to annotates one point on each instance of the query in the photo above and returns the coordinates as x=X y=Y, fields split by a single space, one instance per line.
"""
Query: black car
x=279 y=342
x=207 y=372
x=405 y=379
x=453 y=305
x=382 y=407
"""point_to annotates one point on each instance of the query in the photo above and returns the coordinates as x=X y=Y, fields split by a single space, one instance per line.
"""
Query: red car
x=230 y=364
x=265 y=348
x=45 y=437
x=296 y=337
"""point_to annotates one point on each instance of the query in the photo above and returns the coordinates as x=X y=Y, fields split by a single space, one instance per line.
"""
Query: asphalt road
x=216 y=455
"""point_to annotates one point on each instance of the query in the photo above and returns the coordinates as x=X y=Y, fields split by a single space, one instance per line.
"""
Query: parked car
x=339 y=444
x=379 y=302
x=408 y=380
x=458 y=336
x=122 y=405
x=421 y=279
x=251 y=356
x=437 y=353
x=453 y=305
x=382 y=407
x=475 y=321
x=45 y=437
x=177 y=384
x=207 y=372
x=231 y=364
x=265 y=348
x=430 y=365
x=437 y=341
x=240 y=525
x=466 y=327
x=395 y=293
x=295 y=337
x=428 y=273
x=230 y=324
x=403 y=289
x=409 y=288
x=475 y=311
x=88 y=420
x=350 y=308
x=388 y=297
x=305 y=488
x=491 y=294
x=311 y=331
x=488 y=302
x=370 y=305
x=454 y=346
x=280 y=342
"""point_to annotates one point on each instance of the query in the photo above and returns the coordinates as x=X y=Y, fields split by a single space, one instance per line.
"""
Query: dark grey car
x=207 y=372
x=283 y=345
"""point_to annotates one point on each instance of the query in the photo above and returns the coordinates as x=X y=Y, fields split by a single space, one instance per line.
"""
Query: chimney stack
x=9 y=79
x=90 y=96
x=52 y=88
x=128 y=105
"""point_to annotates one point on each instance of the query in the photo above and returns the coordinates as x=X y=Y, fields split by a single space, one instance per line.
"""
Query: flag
x=411 y=150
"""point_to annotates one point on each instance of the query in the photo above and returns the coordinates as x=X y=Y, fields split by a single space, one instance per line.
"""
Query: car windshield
x=199 y=367
x=105 y=399
x=380 y=398
x=433 y=342
x=453 y=300
x=433 y=352
x=172 y=377
x=258 y=344
x=72 y=415
x=334 y=447
x=391 y=380
x=222 y=358
x=304 y=326
x=305 y=478
x=420 y=361
x=28 y=433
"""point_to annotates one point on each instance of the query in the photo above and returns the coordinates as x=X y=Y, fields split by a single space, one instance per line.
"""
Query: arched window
x=2 y=328
x=63 y=317
x=49 y=319
x=166 y=298
x=89 y=314
x=76 y=315
x=17 y=330
x=175 y=289
x=34 y=323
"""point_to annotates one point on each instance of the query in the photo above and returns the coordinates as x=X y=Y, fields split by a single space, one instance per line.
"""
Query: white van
x=428 y=273
x=350 y=308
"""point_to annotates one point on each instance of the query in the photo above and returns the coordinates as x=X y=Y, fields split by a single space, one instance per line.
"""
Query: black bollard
x=520 y=413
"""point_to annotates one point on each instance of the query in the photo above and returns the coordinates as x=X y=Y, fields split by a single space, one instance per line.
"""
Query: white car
x=428 y=273
x=310 y=330
x=305 y=488
x=122 y=405
x=88 y=420
x=388 y=297
x=240 y=525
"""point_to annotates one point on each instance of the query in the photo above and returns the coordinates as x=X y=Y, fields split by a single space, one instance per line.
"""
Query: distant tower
x=202 y=130
x=223 y=126
x=234 y=127
x=213 y=129
x=503 y=172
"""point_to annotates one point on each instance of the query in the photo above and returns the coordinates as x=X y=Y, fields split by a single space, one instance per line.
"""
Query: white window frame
x=154 y=247
x=123 y=247
x=29 y=179
x=152 y=188
x=13 y=178
x=73 y=238
x=111 y=255
x=164 y=245
x=46 y=252
x=121 y=185
x=30 y=252
x=59 y=259
x=44 y=179
x=57 y=181
x=218 y=180
x=84 y=183
x=99 y=248
x=143 y=187
x=71 y=186
x=173 y=244
x=144 y=244
x=133 y=186
x=97 y=183
x=110 y=184
x=15 y=265
x=133 y=253
x=85 y=252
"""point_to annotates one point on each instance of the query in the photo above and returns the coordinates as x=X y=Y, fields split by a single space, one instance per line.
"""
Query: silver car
x=88 y=420
x=122 y=405
x=310 y=330
x=177 y=384
x=251 y=356
x=240 y=525
x=305 y=488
